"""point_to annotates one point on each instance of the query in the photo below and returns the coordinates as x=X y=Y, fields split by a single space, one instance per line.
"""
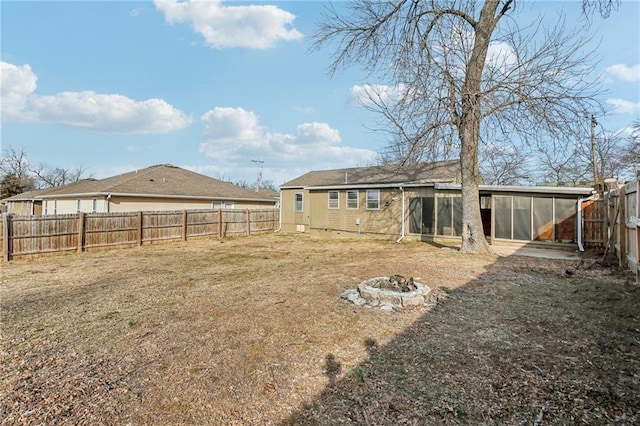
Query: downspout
x=108 y=203
x=403 y=217
x=279 y=214
x=580 y=224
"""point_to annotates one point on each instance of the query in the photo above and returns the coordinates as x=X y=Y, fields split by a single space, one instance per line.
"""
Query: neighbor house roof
x=163 y=180
x=29 y=195
x=440 y=171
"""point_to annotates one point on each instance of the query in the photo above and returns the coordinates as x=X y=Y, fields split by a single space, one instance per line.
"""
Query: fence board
x=594 y=225
x=37 y=235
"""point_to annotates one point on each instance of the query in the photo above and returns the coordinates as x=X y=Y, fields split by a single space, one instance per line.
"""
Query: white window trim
x=351 y=191
x=372 y=191
x=337 y=201
x=295 y=201
x=229 y=205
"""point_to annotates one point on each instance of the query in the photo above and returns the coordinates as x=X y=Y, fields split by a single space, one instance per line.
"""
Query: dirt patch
x=253 y=331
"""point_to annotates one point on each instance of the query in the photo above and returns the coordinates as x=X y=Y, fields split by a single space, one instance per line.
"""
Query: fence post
x=248 y=212
x=622 y=227
x=5 y=239
x=184 y=225
x=80 y=231
x=139 y=229
x=220 y=223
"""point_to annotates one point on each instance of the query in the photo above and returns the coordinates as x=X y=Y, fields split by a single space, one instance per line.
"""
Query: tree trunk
x=473 y=239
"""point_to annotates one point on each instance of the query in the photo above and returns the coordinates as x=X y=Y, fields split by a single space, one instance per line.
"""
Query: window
x=216 y=204
x=543 y=219
x=94 y=208
x=334 y=200
x=353 y=200
x=565 y=219
x=298 y=201
x=522 y=218
x=449 y=216
x=228 y=204
x=46 y=207
x=373 y=199
x=503 y=217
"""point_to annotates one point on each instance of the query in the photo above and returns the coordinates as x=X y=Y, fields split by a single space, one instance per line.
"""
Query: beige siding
x=134 y=204
x=293 y=221
x=385 y=222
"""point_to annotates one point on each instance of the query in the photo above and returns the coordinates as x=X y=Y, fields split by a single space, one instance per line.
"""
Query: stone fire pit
x=389 y=293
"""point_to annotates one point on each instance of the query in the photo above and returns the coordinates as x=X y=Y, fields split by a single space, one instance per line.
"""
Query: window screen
x=334 y=200
x=543 y=219
x=352 y=200
x=373 y=199
x=298 y=201
x=428 y=205
x=415 y=215
x=503 y=217
x=444 y=216
x=522 y=218
x=565 y=219
x=457 y=216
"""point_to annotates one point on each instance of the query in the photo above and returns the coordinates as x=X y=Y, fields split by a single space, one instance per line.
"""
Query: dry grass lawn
x=252 y=331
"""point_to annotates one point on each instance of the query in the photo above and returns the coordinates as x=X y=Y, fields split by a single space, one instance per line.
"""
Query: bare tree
x=16 y=177
x=631 y=153
x=562 y=164
x=465 y=73
x=49 y=177
x=19 y=175
x=504 y=165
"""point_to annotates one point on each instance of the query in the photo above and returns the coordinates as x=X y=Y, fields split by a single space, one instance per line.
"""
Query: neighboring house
x=156 y=188
x=25 y=204
x=425 y=202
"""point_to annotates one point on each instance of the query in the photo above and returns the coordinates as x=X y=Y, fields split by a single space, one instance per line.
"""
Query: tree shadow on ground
x=522 y=344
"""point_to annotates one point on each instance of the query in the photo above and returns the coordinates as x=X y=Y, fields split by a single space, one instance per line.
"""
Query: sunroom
x=510 y=214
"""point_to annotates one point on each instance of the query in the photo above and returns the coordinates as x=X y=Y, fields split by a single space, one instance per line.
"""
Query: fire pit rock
x=389 y=293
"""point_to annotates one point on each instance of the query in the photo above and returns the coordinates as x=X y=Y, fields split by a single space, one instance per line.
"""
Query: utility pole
x=594 y=160
x=258 y=174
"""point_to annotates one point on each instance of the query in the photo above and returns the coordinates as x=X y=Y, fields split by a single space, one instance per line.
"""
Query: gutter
x=402 y=235
x=130 y=194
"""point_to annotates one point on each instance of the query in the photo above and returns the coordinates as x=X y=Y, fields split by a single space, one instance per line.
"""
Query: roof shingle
x=440 y=171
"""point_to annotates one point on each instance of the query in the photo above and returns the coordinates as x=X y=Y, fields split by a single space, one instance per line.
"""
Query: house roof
x=28 y=195
x=162 y=180
x=440 y=171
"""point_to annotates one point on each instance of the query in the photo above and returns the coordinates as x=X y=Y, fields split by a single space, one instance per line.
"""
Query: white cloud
x=235 y=136
x=624 y=72
x=369 y=94
x=252 y=26
x=17 y=84
x=304 y=109
x=621 y=106
x=88 y=110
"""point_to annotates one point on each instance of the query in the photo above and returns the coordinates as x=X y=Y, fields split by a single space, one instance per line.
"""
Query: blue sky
x=210 y=86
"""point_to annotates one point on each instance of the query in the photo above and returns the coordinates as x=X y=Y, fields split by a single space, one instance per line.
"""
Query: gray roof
x=29 y=195
x=440 y=171
x=156 y=181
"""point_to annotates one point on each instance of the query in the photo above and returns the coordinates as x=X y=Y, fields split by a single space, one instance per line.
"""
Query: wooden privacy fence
x=623 y=225
x=38 y=235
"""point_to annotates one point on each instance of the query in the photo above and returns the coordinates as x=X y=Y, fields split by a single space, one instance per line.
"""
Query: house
x=425 y=202
x=156 y=188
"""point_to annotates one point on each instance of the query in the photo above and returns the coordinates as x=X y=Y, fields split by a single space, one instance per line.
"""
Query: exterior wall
x=385 y=222
x=70 y=205
x=293 y=221
x=129 y=204
x=21 y=208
